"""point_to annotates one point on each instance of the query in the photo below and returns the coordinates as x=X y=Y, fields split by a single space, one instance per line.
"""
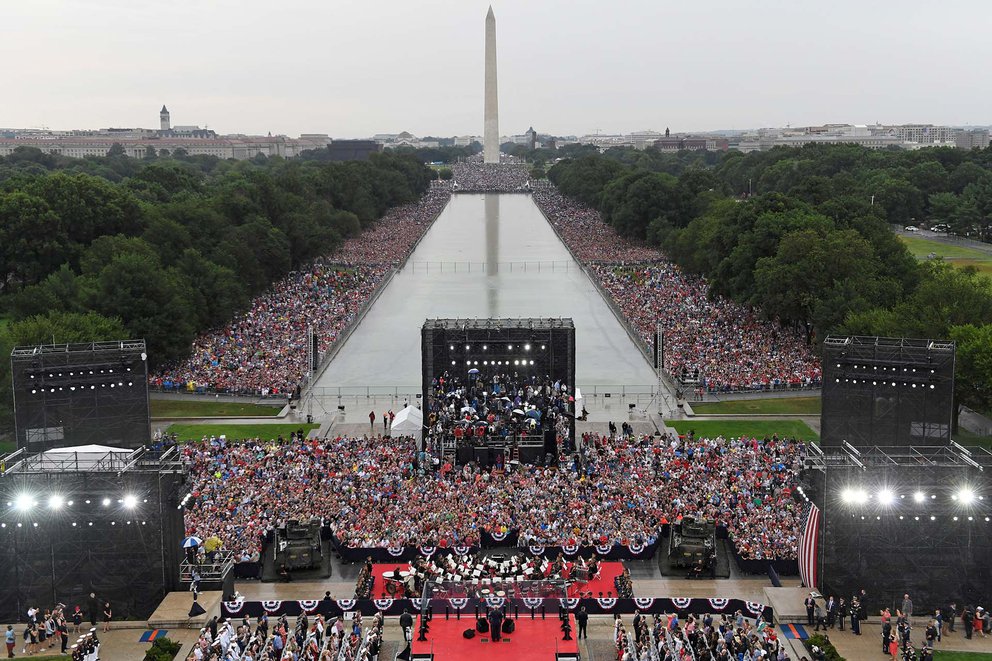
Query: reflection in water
x=492 y=254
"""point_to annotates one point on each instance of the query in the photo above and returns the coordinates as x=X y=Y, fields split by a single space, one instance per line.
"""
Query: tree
x=973 y=366
x=32 y=239
x=117 y=149
x=798 y=283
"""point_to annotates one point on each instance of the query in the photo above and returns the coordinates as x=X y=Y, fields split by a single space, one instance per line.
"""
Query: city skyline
x=355 y=70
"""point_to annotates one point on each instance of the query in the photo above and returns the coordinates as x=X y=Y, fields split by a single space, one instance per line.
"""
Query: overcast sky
x=352 y=68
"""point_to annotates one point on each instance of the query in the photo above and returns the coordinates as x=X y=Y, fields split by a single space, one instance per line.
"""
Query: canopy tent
x=408 y=422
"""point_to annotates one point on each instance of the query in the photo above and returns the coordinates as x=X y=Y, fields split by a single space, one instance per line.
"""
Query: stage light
x=966 y=496
x=484 y=347
x=468 y=362
x=542 y=347
x=516 y=362
x=886 y=497
x=33 y=391
x=854 y=496
x=24 y=502
x=452 y=347
x=933 y=518
x=467 y=347
x=526 y=347
x=106 y=502
x=509 y=346
x=452 y=362
x=919 y=496
x=485 y=362
x=532 y=362
x=130 y=501
x=955 y=518
x=56 y=502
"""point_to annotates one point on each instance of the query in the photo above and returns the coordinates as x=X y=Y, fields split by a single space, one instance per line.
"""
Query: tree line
x=164 y=248
x=805 y=235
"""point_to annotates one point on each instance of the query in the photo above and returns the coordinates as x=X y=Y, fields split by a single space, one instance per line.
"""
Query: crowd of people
x=476 y=176
x=712 y=341
x=483 y=407
x=380 y=492
x=719 y=344
x=709 y=638
x=263 y=351
x=309 y=639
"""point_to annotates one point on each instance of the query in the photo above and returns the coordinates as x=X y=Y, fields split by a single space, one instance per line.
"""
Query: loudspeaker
x=468 y=633
x=482 y=625
x=508 y=626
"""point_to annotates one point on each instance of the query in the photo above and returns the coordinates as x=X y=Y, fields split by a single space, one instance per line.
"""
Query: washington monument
x=490 y=139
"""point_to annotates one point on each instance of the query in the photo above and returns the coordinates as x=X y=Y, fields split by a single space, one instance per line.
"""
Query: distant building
x=972 y=139
x=136 y=142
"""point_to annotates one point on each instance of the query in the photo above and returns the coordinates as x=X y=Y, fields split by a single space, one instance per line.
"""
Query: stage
x=600 y=587
x=533 y=640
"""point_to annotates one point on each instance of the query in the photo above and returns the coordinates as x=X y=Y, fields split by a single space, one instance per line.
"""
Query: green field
x=235 y=432
x=771 y=406
x=954 y=254
x=735 y=428
x=6 y=447
x=965 y=437
x=940 y=655
x=208 y=408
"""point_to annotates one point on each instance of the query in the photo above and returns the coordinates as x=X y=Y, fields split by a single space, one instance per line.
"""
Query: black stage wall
x=892 y=548
x=80 y=394
x=887 y=391
x=127 y=555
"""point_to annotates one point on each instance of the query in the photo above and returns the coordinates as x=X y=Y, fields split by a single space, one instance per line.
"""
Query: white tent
x=408 y=422
x=580 y=402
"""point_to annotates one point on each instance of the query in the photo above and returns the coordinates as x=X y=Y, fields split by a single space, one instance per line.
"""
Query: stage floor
x=533 y=640
x=601 y=587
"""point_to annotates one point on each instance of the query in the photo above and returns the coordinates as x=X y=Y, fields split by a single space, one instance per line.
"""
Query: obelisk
x=490 y=138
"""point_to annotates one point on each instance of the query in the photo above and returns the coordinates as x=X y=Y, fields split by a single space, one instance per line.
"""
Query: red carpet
x=533 y=640
x=379 y=587
x=607 y=572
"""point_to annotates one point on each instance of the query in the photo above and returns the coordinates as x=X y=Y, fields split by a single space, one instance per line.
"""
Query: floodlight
x=56 y=502
x=106 y=502
x=24 y=502
x=526 y=347
x=919 y=496
x=130 y=501
x=966 y=496
x=886 y=497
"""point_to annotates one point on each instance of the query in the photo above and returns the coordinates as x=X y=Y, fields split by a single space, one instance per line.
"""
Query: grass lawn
x=957 y=255
x=771 y=406
x=940 y=655
x=6 y=447
x=757 y=428
x=965 y=437
x=263 y=431
x=208 y=408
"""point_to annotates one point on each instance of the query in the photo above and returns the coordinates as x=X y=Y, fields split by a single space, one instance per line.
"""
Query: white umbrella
x=191 y=542
x=518 y=411
x=468 y=408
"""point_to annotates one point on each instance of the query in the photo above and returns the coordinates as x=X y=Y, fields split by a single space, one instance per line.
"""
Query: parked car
x=912 y=228
x=940 y=227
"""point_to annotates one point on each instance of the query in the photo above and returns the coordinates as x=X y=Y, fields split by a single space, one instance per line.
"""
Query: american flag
x=809 y=546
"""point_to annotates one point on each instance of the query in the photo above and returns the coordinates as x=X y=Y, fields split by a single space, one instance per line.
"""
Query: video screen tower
x=78 y=394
